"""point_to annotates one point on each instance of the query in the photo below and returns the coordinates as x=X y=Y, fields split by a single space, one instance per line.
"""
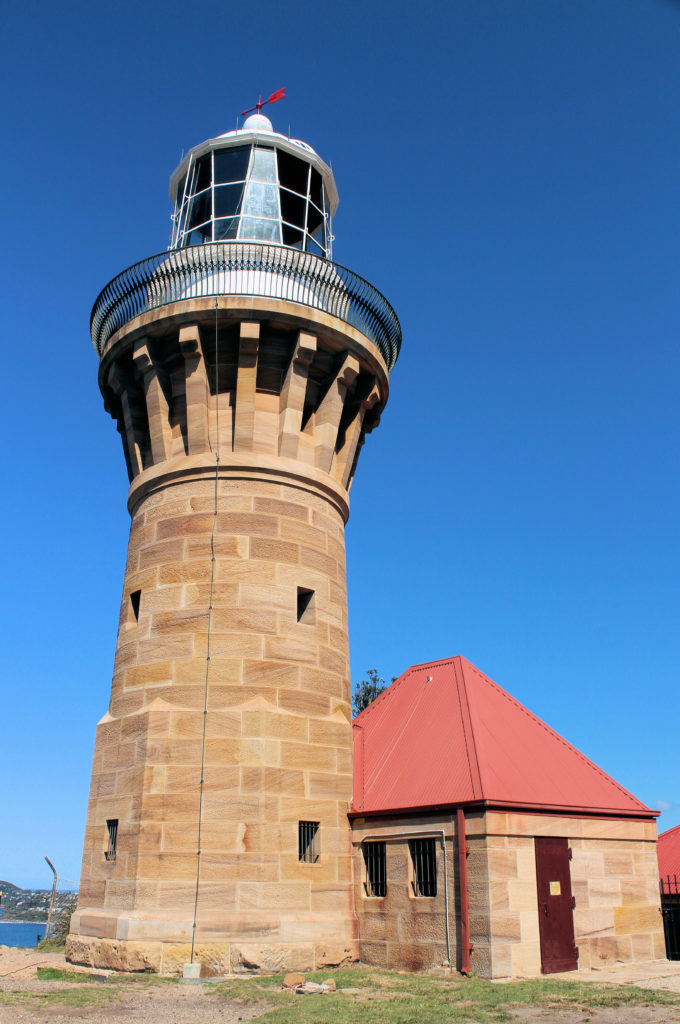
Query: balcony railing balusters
x=246 y=268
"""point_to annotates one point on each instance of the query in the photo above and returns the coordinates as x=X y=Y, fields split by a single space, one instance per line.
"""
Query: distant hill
x=32 y=904
x=7 y=887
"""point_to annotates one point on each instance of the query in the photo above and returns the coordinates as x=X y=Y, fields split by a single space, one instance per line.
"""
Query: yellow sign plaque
x=555 y=889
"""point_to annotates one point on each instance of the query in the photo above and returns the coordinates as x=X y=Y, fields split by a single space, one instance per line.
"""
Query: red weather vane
x=280 y=94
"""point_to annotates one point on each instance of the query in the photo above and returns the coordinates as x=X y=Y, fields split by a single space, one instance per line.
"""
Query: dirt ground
x=626 y=1015
x=192 y=1002
x=183 y=1003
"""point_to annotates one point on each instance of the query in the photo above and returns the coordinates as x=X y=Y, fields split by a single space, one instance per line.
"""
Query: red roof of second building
x=668 y=852
x=445 y=734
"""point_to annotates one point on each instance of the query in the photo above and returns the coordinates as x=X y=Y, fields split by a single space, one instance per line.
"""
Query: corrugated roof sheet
x=668 y=851
x=446 y=734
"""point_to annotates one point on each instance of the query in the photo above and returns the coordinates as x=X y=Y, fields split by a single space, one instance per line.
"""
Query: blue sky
x=508 y=177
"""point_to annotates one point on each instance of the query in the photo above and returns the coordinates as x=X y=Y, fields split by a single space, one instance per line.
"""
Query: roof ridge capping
x=539 y=721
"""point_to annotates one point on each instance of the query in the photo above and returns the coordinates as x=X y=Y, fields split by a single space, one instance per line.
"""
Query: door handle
x=545 y=909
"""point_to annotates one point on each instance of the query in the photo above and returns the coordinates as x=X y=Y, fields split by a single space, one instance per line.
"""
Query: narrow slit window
x=305 y=606
x=112 y=830
x=424 y=860
x=308 y=842
x=135 y=598
x=375 y=861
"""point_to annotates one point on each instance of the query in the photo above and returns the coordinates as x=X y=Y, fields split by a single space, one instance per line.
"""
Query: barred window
x=424 y=859
x=112 y=829
x=375 y=859
x=308 y=842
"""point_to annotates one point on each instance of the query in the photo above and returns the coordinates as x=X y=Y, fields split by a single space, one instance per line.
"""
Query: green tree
x=367 y=690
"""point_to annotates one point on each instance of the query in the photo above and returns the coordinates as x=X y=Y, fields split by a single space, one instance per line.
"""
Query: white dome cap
x=258 y=123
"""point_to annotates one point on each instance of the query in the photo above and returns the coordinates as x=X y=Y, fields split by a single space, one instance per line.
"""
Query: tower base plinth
x=215 y=957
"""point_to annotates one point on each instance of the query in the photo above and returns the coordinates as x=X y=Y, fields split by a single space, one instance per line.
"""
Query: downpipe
x=466 y=946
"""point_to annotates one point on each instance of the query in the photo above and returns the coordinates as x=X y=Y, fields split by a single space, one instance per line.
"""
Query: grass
x=78 y=996
x=76 y=989
x=371 y=996
x=57 y=974
x=80 y=977
x=385 y=997
x=141 y=978
x=51 y=945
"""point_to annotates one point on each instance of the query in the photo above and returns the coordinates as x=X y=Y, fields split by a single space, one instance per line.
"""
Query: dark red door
x=555 y=905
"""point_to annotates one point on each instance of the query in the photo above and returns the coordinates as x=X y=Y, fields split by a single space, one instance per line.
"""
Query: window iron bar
x=308 y=851
x=112 y=829
x=375 y=859
x=424 y=859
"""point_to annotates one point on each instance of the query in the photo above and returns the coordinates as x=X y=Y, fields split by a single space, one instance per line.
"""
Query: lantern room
x=254 y=184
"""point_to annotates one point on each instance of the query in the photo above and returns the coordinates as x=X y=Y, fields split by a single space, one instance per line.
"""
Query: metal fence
x=670 y=909
x=237 y=268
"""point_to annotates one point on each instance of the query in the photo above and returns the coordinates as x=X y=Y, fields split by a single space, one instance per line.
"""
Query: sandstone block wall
x=278 y=733
x=249 y=594
x=614 y=881
x=401 y=930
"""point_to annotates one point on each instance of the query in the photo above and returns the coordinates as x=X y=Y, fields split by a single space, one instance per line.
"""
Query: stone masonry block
x=634 y=920
x=274 y=550
x=593 y=922
x=502 y=864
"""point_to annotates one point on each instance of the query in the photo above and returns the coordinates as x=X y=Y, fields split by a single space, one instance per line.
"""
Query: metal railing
x=670 y=909
x=246 y=268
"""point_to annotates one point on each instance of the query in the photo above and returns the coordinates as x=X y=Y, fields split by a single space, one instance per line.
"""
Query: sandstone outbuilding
x=483 y=839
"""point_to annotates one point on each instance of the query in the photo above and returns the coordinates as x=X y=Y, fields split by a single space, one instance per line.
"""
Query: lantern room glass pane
x=319 y=235
x=260 y=229
x=261 y=200
x=293 y=237
x=314 y=219
x=199 y=235
x=228 y=200
x=315 y=188
x=293 y=173
x=201 y=209
x=231 y=164
x=293 y=208
x=203 y=176
x=263 y=165
x=226 y=229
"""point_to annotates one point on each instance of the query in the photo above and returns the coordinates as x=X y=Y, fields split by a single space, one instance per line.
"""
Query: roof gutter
x=494 y=805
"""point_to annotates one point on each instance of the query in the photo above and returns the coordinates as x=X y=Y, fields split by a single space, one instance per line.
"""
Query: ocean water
x=21 y=933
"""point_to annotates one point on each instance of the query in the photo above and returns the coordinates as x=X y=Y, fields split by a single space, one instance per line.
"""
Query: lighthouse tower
x=243 y=369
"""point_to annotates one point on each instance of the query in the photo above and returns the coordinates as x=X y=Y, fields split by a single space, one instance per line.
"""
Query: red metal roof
x=668 y=852
x=444 y=734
